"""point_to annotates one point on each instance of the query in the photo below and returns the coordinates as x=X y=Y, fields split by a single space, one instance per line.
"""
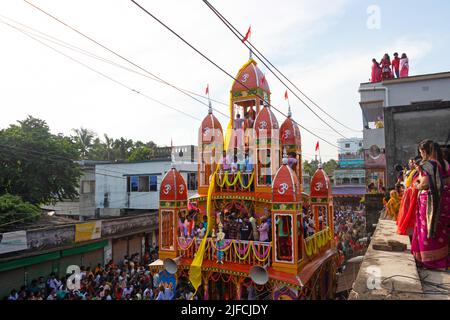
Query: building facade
x=134 y=186
x=397 y=115
x=349 y=175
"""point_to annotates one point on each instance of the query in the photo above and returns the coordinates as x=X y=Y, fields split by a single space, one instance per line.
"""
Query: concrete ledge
x=387 y=275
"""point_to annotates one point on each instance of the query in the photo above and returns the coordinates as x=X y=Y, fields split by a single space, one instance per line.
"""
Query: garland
x=237 y=178
x=241 y=251
x=225 y=247
x=249 y=183
x=314 y=243
x=237 y=253
x=265 y=255
x=185 y=246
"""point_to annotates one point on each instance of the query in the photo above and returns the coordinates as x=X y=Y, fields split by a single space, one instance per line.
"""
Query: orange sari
x=407 y=217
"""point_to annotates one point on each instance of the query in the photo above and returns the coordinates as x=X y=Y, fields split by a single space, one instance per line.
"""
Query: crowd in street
x=129 y=280
x=350 y=231
x=386 y=70
x=420 y=204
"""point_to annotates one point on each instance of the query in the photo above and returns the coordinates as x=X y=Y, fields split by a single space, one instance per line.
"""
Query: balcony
x=234 y=251
x=374 y=137
x=250 y=252
x=241 y=181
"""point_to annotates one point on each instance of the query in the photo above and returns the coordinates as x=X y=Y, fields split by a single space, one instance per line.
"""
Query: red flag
x=317 y=145
x=263 y=79
x=286 y=95
x=247 y=34
x=207 y=89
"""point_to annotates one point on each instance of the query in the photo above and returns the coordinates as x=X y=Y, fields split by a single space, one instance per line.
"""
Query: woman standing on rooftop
x=376 y=71
x=404 y=66
x=431 y=232
x=386 y=67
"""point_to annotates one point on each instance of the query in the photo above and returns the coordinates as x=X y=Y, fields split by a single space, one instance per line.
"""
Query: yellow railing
x=317 y=241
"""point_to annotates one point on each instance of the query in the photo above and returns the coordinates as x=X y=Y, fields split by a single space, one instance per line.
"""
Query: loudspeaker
x=259 y=275
x=171 y=265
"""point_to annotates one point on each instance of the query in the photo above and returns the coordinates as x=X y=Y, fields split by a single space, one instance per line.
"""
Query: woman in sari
x=407 y=213
x=430 y=238
x=404 y=66
x=386 y=67
x=376 y=71
x=393 y=205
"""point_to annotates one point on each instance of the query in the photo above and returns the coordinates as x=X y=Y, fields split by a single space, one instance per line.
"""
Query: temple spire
x=209 y=99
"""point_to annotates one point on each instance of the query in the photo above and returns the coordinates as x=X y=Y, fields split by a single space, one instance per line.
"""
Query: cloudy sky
x=323 y=46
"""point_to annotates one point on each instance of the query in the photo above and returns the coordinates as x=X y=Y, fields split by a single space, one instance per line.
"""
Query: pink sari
x=431 y=234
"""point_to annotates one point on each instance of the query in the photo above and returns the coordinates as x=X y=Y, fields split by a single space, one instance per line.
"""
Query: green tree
x=109 y=147
x=140 y=153
x=14 y=210
x=310 y=167
x=122 y=148
x=37 y=165
x=84 y=138
x=330 y=166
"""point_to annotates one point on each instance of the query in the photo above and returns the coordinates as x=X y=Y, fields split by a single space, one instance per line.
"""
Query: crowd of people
x=130 y=280
x=235 y=225
x=420 y=204
x=387 y=69
x=350 y=231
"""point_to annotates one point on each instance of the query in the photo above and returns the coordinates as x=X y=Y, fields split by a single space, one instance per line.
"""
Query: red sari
x=376 y=73
x=407 y=214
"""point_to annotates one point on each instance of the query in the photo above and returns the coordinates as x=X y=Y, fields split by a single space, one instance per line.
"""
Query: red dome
x=264 y=123
x=320 y=184
x=173 y=187
x=290 y=133
x=250 y=76
x=286 y=187
x=210 y=130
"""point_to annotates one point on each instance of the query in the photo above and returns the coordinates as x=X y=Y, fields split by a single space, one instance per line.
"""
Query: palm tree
x=123 y=147
x=109 y=146
x=84 y=138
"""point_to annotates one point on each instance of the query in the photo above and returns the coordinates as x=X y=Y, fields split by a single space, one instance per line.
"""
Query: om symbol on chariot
x=181 y=188
x=167 y=189
x=286 y=134
x=245 y=76
x=318 y=186
x=263 y=125
x=283 y=188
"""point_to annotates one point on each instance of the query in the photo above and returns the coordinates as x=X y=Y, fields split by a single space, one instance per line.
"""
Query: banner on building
x=88 y=231
x=13 y=241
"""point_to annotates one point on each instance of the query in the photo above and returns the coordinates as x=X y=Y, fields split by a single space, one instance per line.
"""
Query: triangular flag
x=247 y=34
x=317 y=145
x=286 y=95
x=207 y=89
